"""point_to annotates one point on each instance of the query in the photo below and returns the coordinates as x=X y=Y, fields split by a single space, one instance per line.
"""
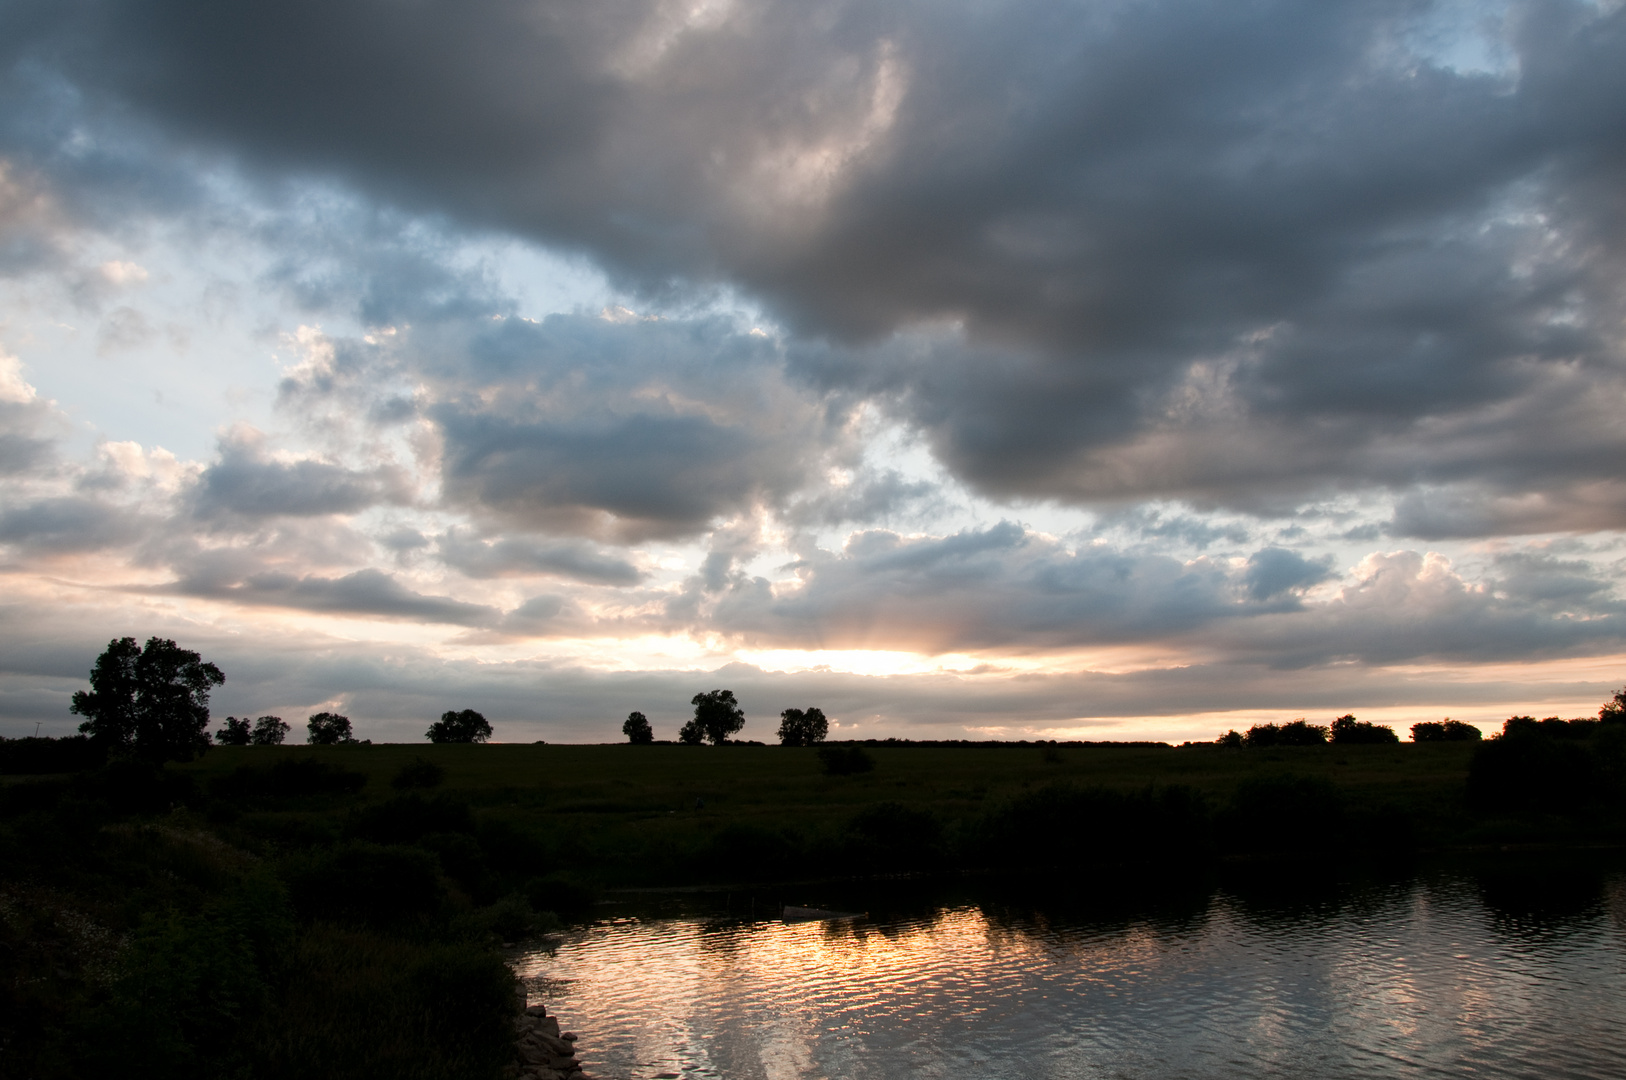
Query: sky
x=1116 y=369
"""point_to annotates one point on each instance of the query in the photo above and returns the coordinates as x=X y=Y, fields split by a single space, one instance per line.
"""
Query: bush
x=287 y=779
x=406 y=818
x=1347 y=730
x=1284 y=814
x=1294 y=733
x=1544 y=766
x=35 y=756
x=362 y=1005
x=366 y=883
x=1063 y=827
x=892 y=836
x=1445 y=731
x=845 y=760
x=418 y=773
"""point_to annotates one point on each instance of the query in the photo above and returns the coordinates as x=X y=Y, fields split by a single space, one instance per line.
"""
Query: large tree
x=467 y=726
x=637 y=729
x=717 y=715
x=151 y=700
x=328 y=729
x=802 y=727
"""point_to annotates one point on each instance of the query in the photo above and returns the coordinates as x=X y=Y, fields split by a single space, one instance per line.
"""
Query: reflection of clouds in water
x=1418 y=976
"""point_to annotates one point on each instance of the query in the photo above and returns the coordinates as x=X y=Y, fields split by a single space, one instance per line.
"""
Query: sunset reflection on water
x=1428 y=975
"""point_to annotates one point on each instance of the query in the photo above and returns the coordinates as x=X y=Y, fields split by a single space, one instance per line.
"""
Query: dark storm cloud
x=1235 y=253
x=247 y=483
x=512 y=557
x=624 y=428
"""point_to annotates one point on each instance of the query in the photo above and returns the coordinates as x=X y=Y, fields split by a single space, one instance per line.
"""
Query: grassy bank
x=337 y=911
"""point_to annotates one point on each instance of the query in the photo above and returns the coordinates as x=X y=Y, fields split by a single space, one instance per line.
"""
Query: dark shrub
x=1445 y=731
x=745 y=851
x=1293 y=733
x=136 y=786
x=462 y=860
x=845 y=760
x=35 y=756
x=1284 y=814
x=361 y=1005
x=406 y=818
x=1069 y=828
x=287 y=779
x=564 y=894
x=1232 y=739
x=892 y=836
x=1347 y=730
x=418 y=773
x=1532 y=768
x=366 y=883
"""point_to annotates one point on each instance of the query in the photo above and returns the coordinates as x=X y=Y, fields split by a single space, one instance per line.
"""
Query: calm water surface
x=1520 y=972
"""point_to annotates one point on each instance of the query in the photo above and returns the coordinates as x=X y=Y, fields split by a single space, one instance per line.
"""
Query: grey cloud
x=519 y=557
x=1230 y=253
x=627 y=430
x=981 y=588
x=1404 y=607
x=244 y=482
x=70 y=523
x=1274 y=571
x=365 y=592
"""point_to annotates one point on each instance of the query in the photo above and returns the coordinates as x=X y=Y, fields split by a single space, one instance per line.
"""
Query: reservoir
x=1515 y=969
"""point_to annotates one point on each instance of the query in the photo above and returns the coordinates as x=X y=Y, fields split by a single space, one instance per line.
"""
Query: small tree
x=1447 y=730
x=235 y=733
x=1232 y=738
x=1346 y=730
x=269 y=731
x=717 y=715
x=1614 y=710
x=637 y=729
x=799 y=727
x=328 y=729
x=691 y=735
x=467 y=726
x=152 y=700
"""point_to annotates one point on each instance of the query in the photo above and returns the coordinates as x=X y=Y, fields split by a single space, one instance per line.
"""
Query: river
x=1506 y=970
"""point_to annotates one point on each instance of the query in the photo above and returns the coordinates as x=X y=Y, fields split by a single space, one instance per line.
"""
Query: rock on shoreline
x=544 y=1052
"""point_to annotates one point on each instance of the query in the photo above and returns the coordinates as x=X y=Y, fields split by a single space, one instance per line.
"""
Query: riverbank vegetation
x=336 y=909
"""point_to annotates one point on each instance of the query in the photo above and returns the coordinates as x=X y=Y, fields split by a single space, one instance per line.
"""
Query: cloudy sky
x=1099 y=369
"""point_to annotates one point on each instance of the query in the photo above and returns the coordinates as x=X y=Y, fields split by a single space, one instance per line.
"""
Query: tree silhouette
x=1346 y=729
x=236 y=732
x=798 y=727
x=328 y=729
x=151 y=700
x=269 y=731
x=637 y=729
x=467 y=726
x=716 y=715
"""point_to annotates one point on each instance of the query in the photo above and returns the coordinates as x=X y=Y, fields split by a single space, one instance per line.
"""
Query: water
x=1514 y=972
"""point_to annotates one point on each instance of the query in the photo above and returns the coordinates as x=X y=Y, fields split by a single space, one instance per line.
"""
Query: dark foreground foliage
x=154 y=927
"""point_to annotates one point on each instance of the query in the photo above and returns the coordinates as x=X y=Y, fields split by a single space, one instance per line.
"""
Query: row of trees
x=152 y=701
x=1344 y=731
x=332 y=729
x=717 y=715
x=1347 y=730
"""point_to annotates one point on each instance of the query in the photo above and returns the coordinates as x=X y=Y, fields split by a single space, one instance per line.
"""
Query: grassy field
x=662 y=814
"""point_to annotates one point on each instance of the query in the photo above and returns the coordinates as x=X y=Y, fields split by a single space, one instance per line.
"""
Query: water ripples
x=1422 y=979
